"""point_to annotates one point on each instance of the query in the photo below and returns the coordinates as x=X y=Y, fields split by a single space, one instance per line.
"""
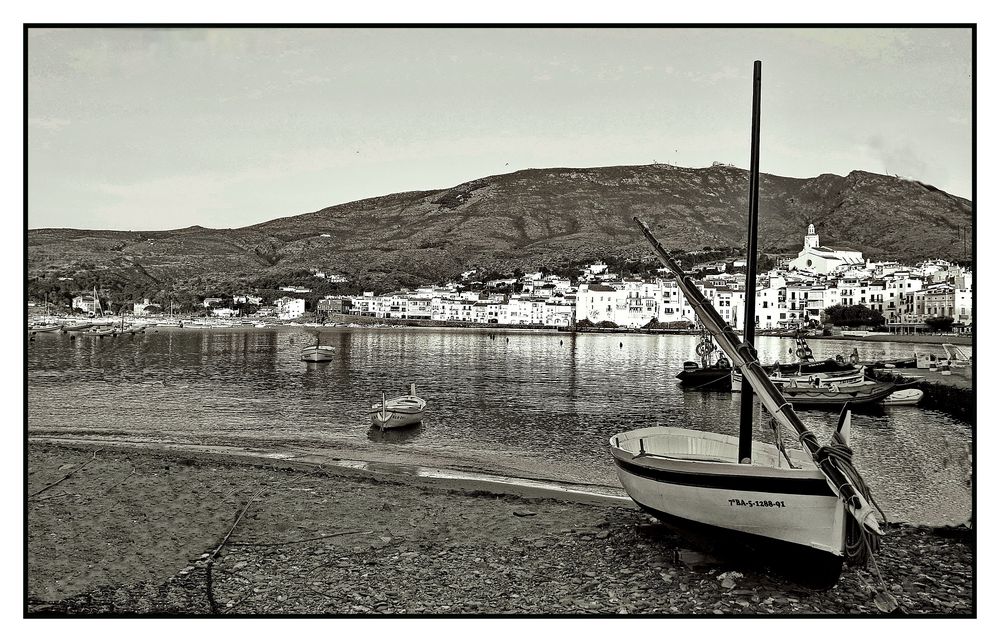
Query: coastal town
x=794 y=294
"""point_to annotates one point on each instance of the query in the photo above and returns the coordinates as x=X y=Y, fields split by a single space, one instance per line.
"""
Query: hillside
x=524 y=220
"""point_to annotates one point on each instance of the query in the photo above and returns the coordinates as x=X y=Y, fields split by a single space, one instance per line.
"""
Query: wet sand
x=134 y=531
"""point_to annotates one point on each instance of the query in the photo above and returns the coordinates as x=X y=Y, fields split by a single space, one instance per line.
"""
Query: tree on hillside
x=853 y=316
x=940 y=324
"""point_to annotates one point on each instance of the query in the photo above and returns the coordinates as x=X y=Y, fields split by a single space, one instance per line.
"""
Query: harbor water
x=541 y=404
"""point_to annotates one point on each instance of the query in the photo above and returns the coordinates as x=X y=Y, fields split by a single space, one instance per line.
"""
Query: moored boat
x=907 y=397
x=853 y=375
x=834 y=396
x=712 y=374
x=317 y=353
x=398 y=412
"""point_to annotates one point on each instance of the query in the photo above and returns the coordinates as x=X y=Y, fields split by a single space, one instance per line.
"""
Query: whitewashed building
x=821 y=259
x=289 y=308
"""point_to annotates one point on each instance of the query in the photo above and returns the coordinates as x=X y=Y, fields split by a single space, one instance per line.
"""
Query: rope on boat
x=709 y=383
x=861 y=545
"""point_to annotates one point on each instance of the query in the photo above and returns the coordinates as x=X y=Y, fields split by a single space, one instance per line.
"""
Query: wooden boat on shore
x=317 y=353
x=398 y=412
x=808 y=503
x=77 y=327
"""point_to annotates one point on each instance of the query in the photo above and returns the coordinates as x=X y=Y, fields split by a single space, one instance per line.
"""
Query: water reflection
x=396 y=436
x=550 y=399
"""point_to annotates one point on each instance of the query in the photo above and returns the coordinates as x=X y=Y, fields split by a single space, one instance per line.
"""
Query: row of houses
x=783 y=300
x=441 y=304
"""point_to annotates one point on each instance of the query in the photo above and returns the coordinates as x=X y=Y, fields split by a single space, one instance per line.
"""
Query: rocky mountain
x=527 y=219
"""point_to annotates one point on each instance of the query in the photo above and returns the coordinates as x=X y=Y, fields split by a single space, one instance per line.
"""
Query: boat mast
x=750 y=305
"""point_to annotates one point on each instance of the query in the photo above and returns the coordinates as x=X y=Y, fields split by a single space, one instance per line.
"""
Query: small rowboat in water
x=407 y=410
x=317 y=353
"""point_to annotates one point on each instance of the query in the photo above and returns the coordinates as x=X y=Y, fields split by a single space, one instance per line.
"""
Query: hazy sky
x=161 y=129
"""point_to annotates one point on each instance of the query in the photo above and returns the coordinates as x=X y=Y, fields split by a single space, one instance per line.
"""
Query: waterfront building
x=289 y=308
x=139 y=309
x=937 y=300
x=85 y=302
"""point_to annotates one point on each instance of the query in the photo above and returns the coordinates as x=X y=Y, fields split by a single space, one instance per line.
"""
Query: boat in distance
x=398 y=412
x=317 y=353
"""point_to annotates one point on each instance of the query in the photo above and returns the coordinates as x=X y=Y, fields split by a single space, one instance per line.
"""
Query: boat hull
x=400 y=412
x=854 y=375
x=693 y=476
x=802 y=397
x=908 y=397
x=396 y=419
x=706 y=378
x=318 y=354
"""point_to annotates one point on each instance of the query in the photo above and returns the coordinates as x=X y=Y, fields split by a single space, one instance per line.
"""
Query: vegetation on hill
x=556 y=219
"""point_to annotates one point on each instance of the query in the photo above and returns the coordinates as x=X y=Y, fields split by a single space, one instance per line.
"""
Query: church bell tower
x=811 y=238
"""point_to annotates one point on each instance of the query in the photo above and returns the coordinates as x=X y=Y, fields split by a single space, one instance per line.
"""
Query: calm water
x=545 y=399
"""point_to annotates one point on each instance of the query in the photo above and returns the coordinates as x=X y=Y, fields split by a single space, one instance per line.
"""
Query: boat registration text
x=758 y=503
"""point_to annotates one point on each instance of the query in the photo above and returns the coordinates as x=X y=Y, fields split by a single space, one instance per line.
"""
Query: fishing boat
x=407 y=410
x=711 y=374
x=77 y=327
x=807 y=503
x=317 y=353
x=853 y=375
x=835 y=396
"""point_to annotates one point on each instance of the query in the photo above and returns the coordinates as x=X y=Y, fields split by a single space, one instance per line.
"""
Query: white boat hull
x=825 y=378
x=907 y=397
x=398 y=412
x=317 y=354
x=696 y=478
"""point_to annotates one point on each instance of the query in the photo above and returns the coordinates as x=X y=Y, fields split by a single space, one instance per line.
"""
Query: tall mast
x=746 y=391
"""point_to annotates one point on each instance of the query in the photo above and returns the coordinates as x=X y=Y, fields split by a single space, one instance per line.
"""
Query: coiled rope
x=860 y=545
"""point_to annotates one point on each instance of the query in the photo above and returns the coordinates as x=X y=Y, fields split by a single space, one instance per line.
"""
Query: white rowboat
x=407 y=410
x=317 y=353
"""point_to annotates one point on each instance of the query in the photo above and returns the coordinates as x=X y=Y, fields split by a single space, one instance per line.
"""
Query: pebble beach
x=123 y=531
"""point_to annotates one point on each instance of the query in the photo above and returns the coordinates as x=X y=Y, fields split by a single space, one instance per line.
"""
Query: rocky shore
x=121 y=532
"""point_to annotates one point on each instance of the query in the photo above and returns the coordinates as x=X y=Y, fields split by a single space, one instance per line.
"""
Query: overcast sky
x=162 y=129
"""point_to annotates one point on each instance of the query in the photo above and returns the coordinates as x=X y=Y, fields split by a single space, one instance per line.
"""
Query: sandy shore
x=134 y=531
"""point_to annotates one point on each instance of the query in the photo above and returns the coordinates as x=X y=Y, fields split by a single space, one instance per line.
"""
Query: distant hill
x=527 y=219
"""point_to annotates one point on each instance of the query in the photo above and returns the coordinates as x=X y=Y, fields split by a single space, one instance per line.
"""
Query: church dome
x=812 y=229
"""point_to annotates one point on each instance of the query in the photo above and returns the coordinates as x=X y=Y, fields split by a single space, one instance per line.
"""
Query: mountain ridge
x=529 y=218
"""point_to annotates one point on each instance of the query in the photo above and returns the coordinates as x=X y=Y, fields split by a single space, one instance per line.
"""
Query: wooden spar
x=744 y=358
x=750 y=303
